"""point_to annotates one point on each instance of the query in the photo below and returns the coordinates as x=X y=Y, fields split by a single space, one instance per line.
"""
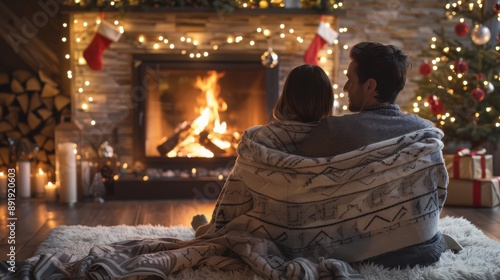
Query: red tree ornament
x=461 y=66
x=477 y=94
x=425 y=68
x=496 y=7
x=437 y=108
x=480 y=76
x=431 y=99
x=461 y=29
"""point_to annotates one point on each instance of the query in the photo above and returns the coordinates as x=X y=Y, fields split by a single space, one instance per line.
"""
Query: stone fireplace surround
x=163 y=172
x=114 y=99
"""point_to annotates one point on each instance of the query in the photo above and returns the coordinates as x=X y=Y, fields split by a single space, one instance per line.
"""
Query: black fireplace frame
x=140 y=62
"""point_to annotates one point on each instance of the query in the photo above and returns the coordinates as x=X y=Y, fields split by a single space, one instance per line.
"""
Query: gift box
x=469 y=166
x=475 y=193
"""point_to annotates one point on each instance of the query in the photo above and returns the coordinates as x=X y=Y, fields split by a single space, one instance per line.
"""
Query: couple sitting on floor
x=365 y=187
x=310 y=195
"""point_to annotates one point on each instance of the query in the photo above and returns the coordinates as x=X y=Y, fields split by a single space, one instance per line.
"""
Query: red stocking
x=106 y=34
x=324 y=35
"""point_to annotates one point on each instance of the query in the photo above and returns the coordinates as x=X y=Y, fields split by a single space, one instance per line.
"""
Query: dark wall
x=10 y=59
x=47 y=35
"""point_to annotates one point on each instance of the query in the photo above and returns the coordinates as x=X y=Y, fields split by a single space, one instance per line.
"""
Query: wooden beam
x=33 y=51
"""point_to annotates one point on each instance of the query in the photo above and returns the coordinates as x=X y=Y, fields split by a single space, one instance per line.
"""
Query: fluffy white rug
x=480 y=258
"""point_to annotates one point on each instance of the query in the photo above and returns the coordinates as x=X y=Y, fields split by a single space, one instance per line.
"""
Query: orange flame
x=208 y=122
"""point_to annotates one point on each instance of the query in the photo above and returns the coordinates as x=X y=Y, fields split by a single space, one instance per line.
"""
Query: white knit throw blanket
x=353 y=206
x=286 y=216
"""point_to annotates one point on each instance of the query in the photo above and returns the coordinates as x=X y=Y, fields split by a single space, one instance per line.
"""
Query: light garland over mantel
x=219 y=5
x=185 y=45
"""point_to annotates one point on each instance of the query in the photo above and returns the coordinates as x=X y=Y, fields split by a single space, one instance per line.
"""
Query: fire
x=206 y=135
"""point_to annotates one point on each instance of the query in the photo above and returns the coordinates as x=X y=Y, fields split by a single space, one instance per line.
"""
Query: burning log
x=173 y=140
x=209 y=145
x=205 y=136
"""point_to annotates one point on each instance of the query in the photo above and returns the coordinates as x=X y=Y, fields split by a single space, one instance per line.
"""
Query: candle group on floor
x=37 y=183
x=27 y=184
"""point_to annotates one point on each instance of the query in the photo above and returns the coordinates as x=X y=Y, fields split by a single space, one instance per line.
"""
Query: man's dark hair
x=386 y=64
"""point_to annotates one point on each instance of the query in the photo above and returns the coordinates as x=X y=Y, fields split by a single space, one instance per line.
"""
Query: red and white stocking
x=106 y=34
x=324 y=35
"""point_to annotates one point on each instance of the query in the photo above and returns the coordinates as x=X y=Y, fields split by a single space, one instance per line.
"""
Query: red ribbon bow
x=468 y=152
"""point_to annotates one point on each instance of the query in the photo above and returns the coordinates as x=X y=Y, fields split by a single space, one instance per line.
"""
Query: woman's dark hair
x=386 y=64
x=307 y=95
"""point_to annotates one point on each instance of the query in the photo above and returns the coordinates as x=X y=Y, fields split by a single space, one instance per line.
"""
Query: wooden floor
x=35 y=218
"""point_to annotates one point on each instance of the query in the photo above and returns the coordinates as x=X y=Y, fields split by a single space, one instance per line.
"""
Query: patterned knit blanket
x=286 y=216
x=345 y=207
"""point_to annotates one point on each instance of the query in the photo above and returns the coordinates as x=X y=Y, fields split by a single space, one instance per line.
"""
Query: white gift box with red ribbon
x=474 y=193
x=467 y=164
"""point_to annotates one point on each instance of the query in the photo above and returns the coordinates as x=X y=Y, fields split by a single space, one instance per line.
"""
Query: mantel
x=187 y=10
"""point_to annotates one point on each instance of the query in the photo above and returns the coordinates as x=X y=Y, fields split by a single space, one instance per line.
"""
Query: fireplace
x=111 y=104
x=191 y=113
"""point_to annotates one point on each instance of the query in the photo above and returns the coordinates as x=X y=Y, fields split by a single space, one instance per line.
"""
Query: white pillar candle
x=50 y=192
x=40 y=181
x=84 y=179
x=23 y=174
x=3 y=185
x=67 y=172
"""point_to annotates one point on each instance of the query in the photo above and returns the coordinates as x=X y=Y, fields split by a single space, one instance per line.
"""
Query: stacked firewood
x=31 y=105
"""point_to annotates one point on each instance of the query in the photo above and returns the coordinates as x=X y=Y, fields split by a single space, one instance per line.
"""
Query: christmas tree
x=460 y=87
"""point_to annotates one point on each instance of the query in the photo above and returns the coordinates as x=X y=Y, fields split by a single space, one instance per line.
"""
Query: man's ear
x=371 y=85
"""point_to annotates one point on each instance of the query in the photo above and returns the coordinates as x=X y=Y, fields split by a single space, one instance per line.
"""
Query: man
x=376 y=75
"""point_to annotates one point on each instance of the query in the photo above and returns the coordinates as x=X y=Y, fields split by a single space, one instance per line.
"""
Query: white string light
x=189 y=42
